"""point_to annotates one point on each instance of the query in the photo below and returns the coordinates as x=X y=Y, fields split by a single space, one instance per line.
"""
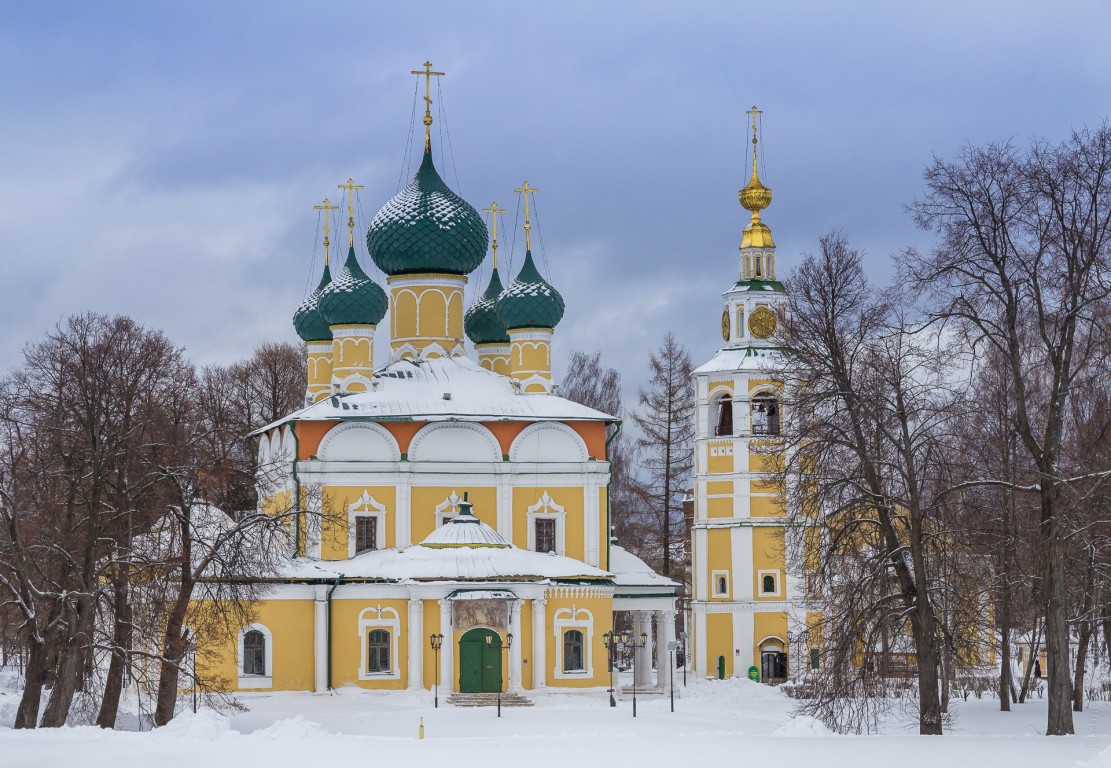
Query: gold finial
x=755 y=196
x=428 y=75
x=494 y=210
x=350 y=186
x=327 y=229
x=526 y=190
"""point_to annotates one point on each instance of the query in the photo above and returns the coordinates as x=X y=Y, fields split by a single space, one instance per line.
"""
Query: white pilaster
x=642 y=625
x=447 y=651
x=539 y=650
x=403 y=528
x=505 y=507
x=515 y=650
x=591 y=520
x=416 y=647
x=320 y=639
x=665 y=634
x=700 y=643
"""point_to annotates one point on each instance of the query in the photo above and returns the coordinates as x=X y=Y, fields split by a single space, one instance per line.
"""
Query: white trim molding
x=379 y=618
x=546 y=509
x=256 y=681
x=582 y=620
x=448 y=508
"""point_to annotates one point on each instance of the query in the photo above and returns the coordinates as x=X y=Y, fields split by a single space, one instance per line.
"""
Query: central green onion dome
x=353 y=298
x=481 y=321
x=427 y=228
x=530 y=301
x=309 y=321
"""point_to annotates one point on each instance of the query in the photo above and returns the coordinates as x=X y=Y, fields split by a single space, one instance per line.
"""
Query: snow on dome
x=530 y=301
x=465 y=530
x=630 y=571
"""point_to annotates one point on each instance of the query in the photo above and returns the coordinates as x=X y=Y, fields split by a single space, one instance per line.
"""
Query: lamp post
x=790 y=652
x=612 y=639
x=804 y=641
x=671 y=648
x=683 y=641
x=636 y=646
x=501 y=648
x=437 y=642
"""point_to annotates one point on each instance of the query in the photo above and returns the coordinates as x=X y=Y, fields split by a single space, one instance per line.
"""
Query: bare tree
x=1021 y=264
x=666 y=422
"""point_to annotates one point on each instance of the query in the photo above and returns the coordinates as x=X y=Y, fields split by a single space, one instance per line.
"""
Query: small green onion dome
x=309 y=321
x=530 y=301
x=353 y=298
x=481 y=321
x=427 y=228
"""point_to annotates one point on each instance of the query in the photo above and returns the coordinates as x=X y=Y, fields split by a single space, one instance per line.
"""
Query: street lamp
x=635 y=646
x=501 y=648
x=437 y=642
x=790 y=651
x=612 y=639
x=671 y=648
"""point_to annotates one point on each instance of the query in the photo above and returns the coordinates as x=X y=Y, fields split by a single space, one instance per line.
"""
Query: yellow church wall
x=336 y=531
x=771 y=624
x=425 y=499
x=575 y=609
x=455 y=315
x=768 y=555
x=719 y=642
x=719 y=557
x=765 y=506
x=720 y=386
x=759 y=460
x=720 y=459
x=719 y=502
x=762 y=383
x=403 y=302
x=348 y=642
x=432 y=314
x=290 y=623
x=571 y=499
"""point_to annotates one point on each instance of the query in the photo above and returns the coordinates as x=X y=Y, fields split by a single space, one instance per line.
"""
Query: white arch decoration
x=548 y=441
x=454 y=441
x=359 y=441
x=380 y=618
x=254 y=681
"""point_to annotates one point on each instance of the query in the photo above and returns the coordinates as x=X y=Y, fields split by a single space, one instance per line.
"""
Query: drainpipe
x=296 y=491
x=329 y=620
x=609 y=511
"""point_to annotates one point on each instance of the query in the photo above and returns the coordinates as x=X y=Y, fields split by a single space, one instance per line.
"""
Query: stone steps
x=488 y=700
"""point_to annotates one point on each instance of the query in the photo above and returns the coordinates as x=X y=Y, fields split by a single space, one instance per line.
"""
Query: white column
x=592 y=524
x=416 y=644
x=515 y=650
x=539 y=651
x=320 y=639
x=504 y=503
x=665 y=634
x=403 y=522
x=642 y=625
x=447 y=651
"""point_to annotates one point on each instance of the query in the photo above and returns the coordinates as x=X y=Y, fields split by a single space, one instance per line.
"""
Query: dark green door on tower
x=480 y=662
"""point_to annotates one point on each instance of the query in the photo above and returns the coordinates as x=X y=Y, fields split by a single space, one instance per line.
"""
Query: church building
x=456 y=520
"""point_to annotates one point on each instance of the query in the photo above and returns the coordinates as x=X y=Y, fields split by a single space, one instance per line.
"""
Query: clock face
x=725 y=325
x=762 y=323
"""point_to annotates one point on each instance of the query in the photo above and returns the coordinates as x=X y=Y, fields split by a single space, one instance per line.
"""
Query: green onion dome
x=353 y=298
x=309 y=321
x=427 y=228
x=481 y=321
x=530 y=301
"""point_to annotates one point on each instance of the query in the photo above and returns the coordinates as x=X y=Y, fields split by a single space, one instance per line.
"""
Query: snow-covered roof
x=741 y=359
x=630 y=571
x=443 y=389
x=464 y=530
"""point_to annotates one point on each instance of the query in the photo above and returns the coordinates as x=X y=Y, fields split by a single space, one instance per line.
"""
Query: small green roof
x=530 y=301
x=481 y=321
x=308 y=320
x=427 y=228
x=353 y=298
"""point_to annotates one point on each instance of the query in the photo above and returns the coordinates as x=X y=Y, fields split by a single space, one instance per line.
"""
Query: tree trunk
x=173 y=651
x=1005 y=682
x=927 y=652
x=1085 y=636
x=1059 y=682
x=27 y=716
x=121 y=642
x=71 y=666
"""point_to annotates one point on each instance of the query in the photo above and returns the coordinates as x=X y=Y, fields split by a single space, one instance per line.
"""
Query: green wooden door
x=480 y=662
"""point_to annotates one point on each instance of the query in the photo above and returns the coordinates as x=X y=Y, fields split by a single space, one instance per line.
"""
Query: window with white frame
x=379 y=629
x=551 y=533
x=574 y=633
x=768 y=582
x=720 y=581
x=367 y=521
x=256 y=657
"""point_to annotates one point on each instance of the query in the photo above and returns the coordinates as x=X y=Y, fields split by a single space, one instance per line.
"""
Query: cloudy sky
x=162 y=159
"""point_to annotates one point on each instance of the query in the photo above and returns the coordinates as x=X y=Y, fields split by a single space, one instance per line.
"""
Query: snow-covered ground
x=727 y=723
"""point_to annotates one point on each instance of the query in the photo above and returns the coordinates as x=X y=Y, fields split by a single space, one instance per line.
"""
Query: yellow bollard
x=420 y=732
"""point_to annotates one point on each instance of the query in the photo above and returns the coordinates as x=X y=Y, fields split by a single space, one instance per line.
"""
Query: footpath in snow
x=736 y=722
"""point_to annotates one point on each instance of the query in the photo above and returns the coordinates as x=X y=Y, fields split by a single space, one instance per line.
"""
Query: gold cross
x=755 y=115
x=350 y=186
x=494 y=210
x=326 y=208
x=428 y=75
x=526 y=190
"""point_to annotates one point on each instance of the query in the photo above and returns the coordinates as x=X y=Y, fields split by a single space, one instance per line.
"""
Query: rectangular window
x=720 y=583
x=573 y=651
x=378 y=652
x=815 y=659
x=545 y=534
x=813 y=584
x=366 y=533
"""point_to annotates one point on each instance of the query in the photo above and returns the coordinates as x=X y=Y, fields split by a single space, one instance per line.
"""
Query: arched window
x=768 y=586
x=724 y=416
x=723 y=585
x=378 y=652
x=765 y=415
x=254 y=653
x=757 y=261
x=573 y=659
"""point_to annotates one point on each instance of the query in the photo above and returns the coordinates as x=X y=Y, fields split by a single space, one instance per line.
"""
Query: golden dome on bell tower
x=755 y=197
